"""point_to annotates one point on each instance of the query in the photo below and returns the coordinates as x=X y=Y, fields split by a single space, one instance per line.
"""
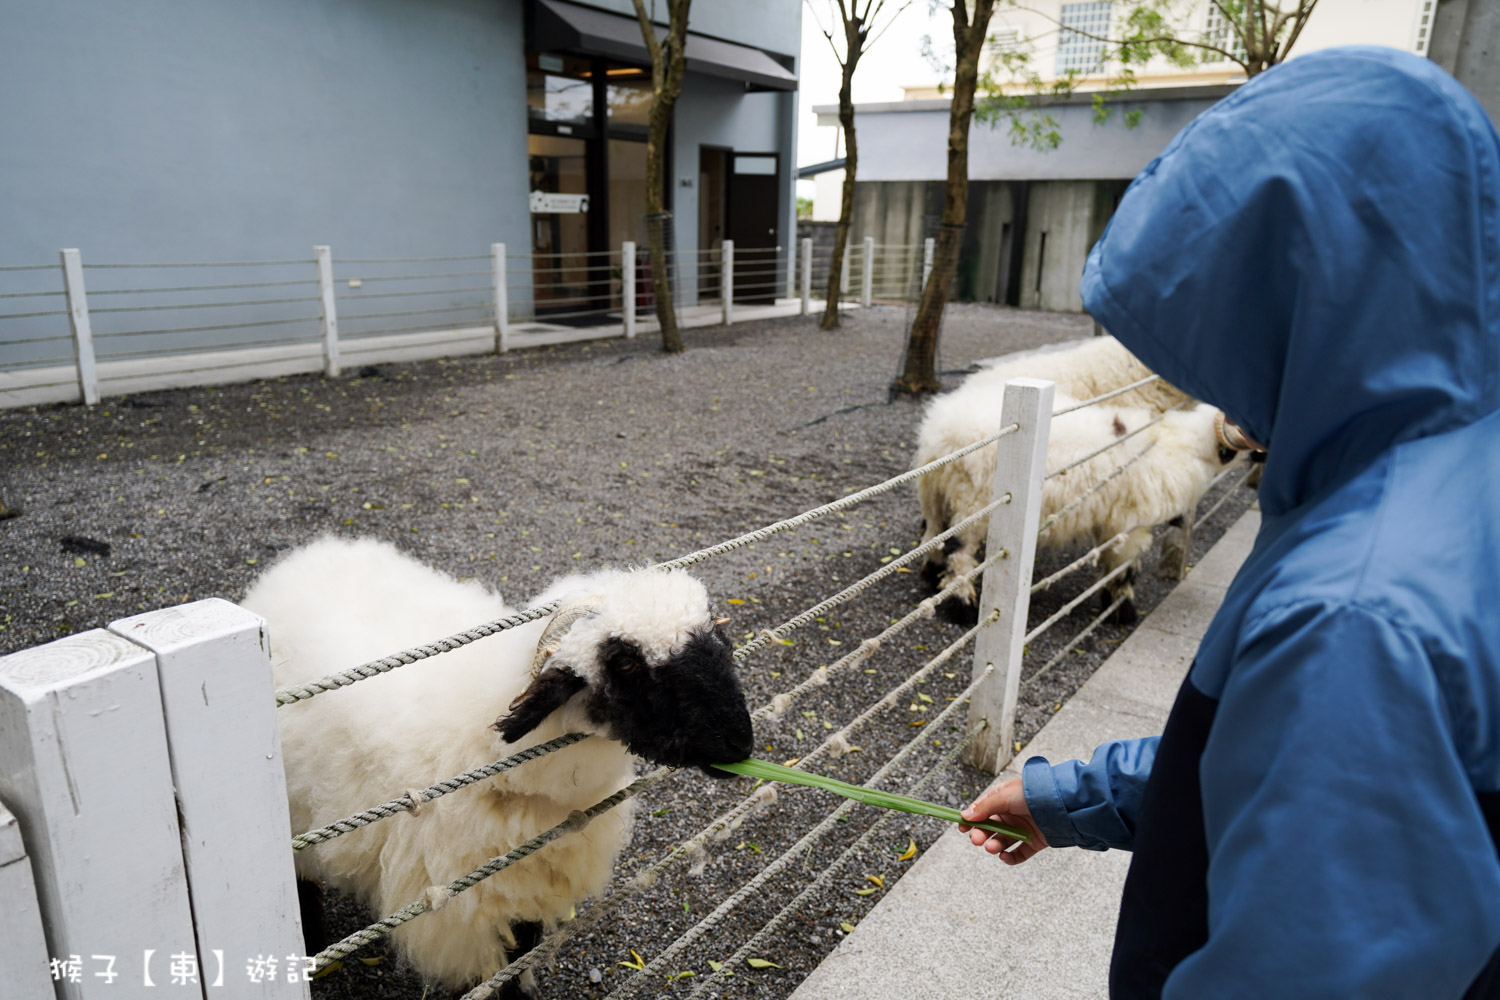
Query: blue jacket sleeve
x=1348 y=852
x=1091 y=805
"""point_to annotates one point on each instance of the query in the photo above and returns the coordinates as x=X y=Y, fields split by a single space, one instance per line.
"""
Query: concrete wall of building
x=1392 y=23
x=1466 y=42
x=909 y=140
x=1064 y=217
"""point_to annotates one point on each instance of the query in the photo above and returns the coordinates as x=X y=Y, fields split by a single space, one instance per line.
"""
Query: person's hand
x=1004 y=803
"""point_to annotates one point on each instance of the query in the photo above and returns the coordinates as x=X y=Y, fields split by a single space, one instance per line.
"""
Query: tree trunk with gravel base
x=858 y=29
x=919 y=369
x=668 y=67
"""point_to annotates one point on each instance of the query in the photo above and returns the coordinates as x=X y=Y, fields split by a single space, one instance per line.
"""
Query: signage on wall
x=564 y=204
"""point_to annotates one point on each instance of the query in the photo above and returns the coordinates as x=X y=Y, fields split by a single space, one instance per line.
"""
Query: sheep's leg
x=963 y=554
x=528 y=934
x=934 y=522
x=314 y=926
x=1177 y=546
x=1129 y=551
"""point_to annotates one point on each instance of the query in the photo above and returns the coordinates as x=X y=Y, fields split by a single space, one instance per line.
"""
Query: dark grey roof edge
x=813 y=169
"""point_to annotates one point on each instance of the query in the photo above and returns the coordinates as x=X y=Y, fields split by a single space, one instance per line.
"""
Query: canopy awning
x=559 y=26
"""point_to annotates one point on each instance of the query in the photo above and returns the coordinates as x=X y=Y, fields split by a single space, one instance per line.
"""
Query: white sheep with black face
x=1175 y=460
x=635 y=657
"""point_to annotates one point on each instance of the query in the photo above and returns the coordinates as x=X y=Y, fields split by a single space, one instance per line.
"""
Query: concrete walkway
x=960 y=924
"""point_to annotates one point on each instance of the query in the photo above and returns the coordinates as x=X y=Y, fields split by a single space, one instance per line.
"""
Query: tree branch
x=648 y=31
x=1304 y=11
x=1116 y=43
x=883 y=28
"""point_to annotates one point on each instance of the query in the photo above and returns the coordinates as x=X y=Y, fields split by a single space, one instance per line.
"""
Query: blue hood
x=1319 y=256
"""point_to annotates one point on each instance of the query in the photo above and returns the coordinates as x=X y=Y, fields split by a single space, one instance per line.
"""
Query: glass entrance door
x=559 y=222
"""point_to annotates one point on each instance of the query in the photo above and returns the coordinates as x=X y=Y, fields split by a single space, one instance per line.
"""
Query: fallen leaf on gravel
x=910 y=852
x=328 y=970
x=863 y=892
x=735 y=600
x=762 y=963
x=371 y=961
x=847 y=927
x=638 y=964
x=877 y=880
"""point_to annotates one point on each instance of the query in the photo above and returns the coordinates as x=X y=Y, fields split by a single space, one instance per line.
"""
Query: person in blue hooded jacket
x=1319 y=256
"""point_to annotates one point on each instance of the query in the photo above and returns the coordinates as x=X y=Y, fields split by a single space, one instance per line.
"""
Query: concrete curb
x=960 y=923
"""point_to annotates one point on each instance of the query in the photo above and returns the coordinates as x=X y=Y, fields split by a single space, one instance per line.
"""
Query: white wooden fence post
x=213 y=663
x=844 y=274
x=867 y=285
x=726 y=280
x=24 y=960
x=1019 y=467
x=324 y=258
x=502 y=301
x=929 y=246
x=627 y=285
x=806 y=275
x=83 y=762
x=83 y=334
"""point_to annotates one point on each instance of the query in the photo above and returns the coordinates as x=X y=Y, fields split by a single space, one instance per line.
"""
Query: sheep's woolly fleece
x=672 y=600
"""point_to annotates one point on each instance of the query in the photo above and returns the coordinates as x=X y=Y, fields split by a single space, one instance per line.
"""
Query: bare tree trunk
x=668 y=67
x=846 y=200
x=919 y=369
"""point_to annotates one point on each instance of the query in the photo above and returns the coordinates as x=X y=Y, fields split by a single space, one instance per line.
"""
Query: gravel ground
x=518 y=468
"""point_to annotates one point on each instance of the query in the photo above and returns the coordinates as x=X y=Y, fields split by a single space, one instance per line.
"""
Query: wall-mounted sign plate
x=563 y=204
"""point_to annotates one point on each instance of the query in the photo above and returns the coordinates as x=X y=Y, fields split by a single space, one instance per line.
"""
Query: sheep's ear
x=548 y=692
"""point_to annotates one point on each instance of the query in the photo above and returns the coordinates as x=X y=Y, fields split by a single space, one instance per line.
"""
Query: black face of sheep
x=683 y=709
x=688 y=711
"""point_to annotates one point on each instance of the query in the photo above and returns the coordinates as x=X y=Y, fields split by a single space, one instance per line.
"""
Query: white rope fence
x=288 y=695
x=837 y=743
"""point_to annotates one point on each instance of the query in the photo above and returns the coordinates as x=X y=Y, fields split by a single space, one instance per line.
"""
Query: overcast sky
x=894 y=62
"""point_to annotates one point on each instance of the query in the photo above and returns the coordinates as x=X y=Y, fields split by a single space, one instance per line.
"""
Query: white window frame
x=1078 y=52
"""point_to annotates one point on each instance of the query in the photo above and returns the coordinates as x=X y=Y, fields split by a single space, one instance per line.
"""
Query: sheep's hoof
x=930 y=573
x=1126 y=614
x=958 y=611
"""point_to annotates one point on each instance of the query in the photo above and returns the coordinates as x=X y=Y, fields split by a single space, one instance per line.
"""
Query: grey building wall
x=717 y=112
x=217 y=130
x=168 y=130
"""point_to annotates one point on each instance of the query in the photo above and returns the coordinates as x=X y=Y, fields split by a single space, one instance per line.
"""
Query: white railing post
x=929 y=247
x=84 y=764
x=324 y=257
x=867 y=286
x=844 y=273
x=627 y=285
x=1020 y=464
x=83 y=334
x=213 y=665
x=502 y=300
x=25 y=965
x=791 y=269
x=806 y=275
x=726 y=280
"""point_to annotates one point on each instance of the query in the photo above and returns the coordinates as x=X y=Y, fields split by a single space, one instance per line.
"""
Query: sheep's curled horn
x=562 y=619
